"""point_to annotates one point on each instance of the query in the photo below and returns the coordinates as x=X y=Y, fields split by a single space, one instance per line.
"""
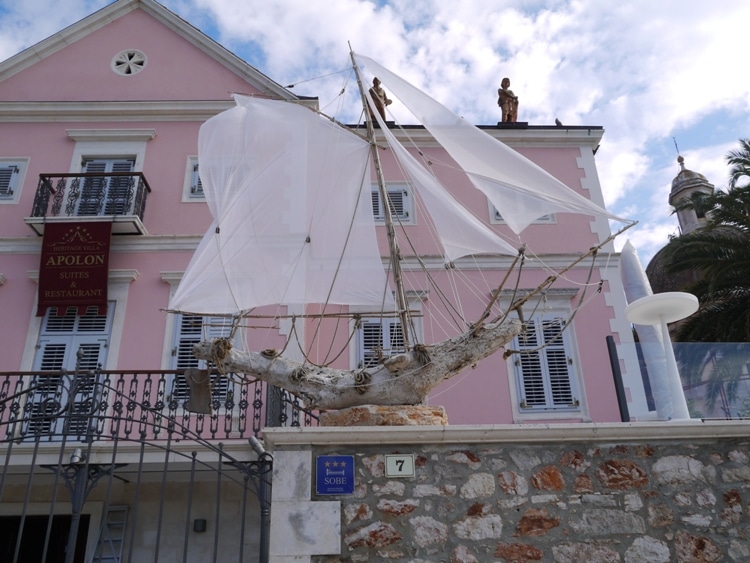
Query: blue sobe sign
x=335 y=475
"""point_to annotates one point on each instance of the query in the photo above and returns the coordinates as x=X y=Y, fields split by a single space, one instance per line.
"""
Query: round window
x=128 y=62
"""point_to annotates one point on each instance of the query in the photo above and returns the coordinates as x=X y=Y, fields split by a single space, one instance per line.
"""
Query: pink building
x=99 y=126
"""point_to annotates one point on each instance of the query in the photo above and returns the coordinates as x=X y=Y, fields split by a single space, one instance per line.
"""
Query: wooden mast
x=403 y=309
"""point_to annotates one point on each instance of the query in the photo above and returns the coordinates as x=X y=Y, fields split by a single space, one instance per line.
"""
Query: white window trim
x=408 y=203
x=558 y=303
x=187 y=186
x=17 y=184
x=117 y=291
x=112 y=143
x=496 y=218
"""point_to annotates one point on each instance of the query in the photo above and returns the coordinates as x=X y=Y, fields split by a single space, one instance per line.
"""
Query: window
x=402 y=207
x=192 y=329
x=496 y=217
x=67 y=342
x=544 y=366
x=381 y=337
x=107 y=195
x=378 y=339
x=192 y=189
x=12 y=174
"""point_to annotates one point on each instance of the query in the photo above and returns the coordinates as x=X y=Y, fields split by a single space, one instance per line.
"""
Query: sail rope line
x=362 y=183
x=428 y=166
x=450 y=305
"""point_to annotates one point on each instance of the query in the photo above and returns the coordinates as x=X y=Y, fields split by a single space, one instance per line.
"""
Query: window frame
x=73 y=331
x=190 y=193
x=497 y=219
x=181 y=355
x=557 y=305
x=407 y=215
x=415 y=302
x=545 y=393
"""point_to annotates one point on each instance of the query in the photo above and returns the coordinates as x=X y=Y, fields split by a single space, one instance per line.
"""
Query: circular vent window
x=128 y=62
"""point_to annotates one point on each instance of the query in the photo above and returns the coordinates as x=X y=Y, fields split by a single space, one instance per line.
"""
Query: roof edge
x=35 y=53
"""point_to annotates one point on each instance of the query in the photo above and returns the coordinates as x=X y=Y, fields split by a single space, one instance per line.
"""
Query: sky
x=653 y=73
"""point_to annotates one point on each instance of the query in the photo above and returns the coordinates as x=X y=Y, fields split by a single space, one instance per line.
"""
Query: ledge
x=275 y=438
x=121 y=224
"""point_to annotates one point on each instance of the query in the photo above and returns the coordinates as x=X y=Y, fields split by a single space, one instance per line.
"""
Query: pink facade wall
x=179 y=71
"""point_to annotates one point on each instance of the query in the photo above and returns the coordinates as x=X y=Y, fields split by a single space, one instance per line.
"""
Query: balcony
x=119 y=197
x=49 y=406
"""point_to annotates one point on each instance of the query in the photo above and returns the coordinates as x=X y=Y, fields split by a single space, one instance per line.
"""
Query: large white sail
x=460 y=232
x=289 y=191
x=519 y=189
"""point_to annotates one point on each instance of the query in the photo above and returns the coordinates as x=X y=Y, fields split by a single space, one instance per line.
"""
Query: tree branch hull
x=401 y=380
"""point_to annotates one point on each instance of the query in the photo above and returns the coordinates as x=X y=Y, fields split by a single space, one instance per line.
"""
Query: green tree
x=739 y=162
x=719 y=254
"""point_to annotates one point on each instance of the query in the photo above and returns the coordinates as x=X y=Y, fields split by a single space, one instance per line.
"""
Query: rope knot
x=421 y=354
x=220 y=348
x=362 y=381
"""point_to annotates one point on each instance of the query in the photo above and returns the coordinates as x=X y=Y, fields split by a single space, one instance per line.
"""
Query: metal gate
x=108 y=466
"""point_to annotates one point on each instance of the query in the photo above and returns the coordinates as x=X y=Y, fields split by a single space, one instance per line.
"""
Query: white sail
x=519 y=189
x=290 y=194
x=460 y=232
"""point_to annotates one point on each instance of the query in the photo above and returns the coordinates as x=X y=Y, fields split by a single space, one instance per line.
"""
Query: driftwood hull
x=405 y=379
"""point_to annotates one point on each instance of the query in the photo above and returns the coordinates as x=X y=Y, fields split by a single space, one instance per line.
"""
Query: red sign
x=74 y=267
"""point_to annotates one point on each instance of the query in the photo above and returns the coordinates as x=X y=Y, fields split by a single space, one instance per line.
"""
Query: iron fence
x=91 y=194
x=102 y=405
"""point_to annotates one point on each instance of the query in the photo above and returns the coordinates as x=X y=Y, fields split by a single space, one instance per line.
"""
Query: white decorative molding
x=143 y=243
x=171 y=278
x=114 y=276
x=710 y=430
x=108 y=135
x=37 y=112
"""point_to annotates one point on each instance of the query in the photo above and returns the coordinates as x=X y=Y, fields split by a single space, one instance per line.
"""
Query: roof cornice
x=108 y=14
x=192 y=110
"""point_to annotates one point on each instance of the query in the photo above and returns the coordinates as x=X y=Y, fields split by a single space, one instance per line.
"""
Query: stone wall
x=571 y=493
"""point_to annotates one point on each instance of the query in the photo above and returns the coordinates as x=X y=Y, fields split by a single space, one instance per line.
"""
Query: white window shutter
x=543 y=366
x=196 y=186
x=191 y=330
x=9 y=174
x=379 y=338
x=60 y=340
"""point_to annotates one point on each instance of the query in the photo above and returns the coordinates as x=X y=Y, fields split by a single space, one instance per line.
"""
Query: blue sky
x=648 y=72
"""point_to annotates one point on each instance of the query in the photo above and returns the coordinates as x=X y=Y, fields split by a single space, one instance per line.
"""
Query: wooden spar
x=404 y=379
x=390 y=230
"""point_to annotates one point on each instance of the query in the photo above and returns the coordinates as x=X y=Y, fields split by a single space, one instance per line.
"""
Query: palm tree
x=739 y=162
x=720 y=254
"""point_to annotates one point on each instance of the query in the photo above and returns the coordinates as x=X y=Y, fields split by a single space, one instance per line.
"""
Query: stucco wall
x=573 y=493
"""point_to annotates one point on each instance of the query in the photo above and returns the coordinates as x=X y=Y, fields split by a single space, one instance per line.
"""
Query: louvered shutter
x=379 y=338
x=94 y=189
x=120 y=193
x=110 y=196
x=398 y=198
x=9 y=174
x=191 y=330
x=60 y=340
x=545 y=380
x=196 y=186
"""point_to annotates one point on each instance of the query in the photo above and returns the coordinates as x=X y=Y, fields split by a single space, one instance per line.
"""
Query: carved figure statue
x=507 y=101
x=378 y=94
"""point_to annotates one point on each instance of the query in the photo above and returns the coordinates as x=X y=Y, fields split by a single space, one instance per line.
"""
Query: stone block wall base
x=378 y=415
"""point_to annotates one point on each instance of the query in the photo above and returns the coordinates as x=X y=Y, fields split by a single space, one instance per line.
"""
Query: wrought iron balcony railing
x=93 y=194
x=109 y=405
